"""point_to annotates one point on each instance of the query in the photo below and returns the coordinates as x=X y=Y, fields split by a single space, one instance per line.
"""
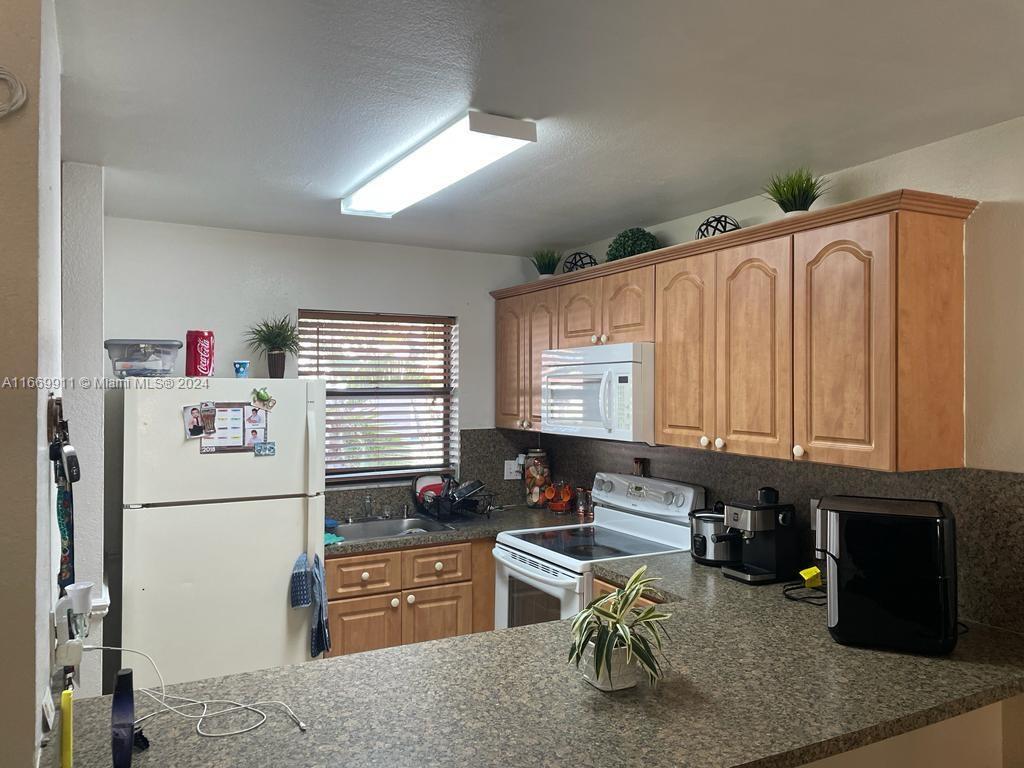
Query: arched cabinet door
x=628 y=299
x=843 y=343
x=754 y=381
x=510 y=355
x=540 y=310
x=579 y=314
x=684 y=352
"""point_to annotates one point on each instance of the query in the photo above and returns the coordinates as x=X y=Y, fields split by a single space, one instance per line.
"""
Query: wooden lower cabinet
x=432 y=613
x=365 y=623
x=425 y=602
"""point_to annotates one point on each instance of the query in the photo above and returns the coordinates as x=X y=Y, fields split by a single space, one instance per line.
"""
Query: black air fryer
x=891 y=573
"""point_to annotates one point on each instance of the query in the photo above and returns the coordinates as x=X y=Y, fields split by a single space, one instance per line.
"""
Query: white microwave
x=605 y=391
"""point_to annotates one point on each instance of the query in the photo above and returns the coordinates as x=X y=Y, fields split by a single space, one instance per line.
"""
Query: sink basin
x=385 y=529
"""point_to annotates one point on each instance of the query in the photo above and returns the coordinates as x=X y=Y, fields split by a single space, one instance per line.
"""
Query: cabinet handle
x=438 y=566
x=704 y=441
x=410 y=599
x=719 y=443
x=604 y=338
x=527 y=424
x=593 y=339
x=365 y=576
x=798 y=451
x=394 y=602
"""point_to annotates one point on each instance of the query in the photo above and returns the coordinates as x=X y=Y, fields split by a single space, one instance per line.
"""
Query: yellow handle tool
x=66 y=729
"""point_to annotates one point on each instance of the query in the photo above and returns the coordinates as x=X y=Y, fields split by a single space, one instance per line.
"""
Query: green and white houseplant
x=615 y=641
x=274 y=338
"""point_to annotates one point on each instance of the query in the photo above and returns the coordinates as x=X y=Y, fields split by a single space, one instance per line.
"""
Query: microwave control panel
x=623 y=416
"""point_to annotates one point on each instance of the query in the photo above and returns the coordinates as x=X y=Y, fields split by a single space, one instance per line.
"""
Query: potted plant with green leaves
x=546 y=261
x=616 y=641
x=274 y=338
x=796 y=191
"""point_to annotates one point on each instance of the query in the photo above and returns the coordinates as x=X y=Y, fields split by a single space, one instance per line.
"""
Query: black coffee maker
x=768 y=532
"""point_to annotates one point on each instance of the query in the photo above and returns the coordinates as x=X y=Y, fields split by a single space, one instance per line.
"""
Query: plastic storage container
x=142 y=357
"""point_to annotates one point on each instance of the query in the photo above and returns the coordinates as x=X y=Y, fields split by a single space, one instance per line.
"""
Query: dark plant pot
x=275 y=363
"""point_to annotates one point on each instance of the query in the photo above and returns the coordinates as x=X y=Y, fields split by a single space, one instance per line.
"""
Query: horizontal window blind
x=390 y=391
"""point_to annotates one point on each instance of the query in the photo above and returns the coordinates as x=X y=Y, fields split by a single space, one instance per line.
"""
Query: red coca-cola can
x=199 y=353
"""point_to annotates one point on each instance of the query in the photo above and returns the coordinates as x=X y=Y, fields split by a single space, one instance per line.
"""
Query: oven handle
x=602 y=399
x=512 y=565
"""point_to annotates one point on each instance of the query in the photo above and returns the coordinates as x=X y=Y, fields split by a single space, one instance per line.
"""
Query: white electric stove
x=543 y=574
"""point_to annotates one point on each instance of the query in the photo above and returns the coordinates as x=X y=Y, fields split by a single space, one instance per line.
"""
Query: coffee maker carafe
x=768 y=532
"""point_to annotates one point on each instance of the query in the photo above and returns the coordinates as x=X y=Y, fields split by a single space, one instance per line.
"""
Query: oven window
x=528 y=605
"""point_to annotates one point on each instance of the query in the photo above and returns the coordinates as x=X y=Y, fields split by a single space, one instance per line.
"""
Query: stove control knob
x=609 y=486
x=669 y=498
x=681 y=500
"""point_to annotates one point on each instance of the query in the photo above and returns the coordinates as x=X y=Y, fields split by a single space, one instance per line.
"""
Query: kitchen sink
x=382 y=528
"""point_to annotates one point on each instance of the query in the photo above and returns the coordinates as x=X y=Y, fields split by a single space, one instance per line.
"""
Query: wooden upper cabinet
x=628 y=306
x=509 y=354
x=435 y=612
x=579 y=313
x=754 y=376
x=541 y=317
x=365 y=623
x=843 y=343
x=684 y=354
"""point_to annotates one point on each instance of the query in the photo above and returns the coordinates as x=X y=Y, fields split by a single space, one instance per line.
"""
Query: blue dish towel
x=301 y=584
x=320 y=634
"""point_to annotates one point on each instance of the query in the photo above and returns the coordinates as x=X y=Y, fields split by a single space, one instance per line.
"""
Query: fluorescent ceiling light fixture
x=463 y=148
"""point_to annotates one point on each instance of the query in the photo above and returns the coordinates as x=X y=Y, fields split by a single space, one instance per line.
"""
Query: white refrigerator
x=211 y=530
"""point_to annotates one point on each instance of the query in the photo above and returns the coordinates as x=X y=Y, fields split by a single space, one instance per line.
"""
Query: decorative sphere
x=630 y=242
x=578 y=260
x=717 y=225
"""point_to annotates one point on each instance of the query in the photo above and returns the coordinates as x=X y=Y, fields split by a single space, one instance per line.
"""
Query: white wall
x=986 y=165
x=83 y=357
x=163 y=279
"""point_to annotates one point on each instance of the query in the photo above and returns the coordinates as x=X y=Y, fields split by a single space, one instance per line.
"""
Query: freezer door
x=162 y=466
x=205 y=588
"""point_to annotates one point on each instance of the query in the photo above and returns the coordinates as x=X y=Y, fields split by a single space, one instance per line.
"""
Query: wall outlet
x=513 y=470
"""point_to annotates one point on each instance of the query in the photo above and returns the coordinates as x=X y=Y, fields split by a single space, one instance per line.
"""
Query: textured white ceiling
x=261 y=114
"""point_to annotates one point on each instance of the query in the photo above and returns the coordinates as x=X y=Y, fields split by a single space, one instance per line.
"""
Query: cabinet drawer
x=363 y=574
x=604 y=588
x=436 y=565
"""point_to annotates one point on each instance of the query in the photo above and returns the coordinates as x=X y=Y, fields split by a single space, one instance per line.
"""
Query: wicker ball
x=578 y=260
x=717 y=225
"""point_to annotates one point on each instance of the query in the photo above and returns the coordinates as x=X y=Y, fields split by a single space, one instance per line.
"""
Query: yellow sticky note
x=66 y=729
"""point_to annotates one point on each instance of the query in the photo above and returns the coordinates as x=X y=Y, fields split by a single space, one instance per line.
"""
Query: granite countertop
x=753 y=680
x=463 y=529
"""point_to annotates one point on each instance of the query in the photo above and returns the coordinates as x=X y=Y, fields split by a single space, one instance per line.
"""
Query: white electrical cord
x=17 y=89
x=162 y=697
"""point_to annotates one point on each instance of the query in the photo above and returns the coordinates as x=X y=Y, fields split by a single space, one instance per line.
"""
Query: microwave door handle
x=512 y=565
x=602 y=400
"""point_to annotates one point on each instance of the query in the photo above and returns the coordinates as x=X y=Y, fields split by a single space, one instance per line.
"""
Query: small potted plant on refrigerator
x=274 y=338
x=615 y=641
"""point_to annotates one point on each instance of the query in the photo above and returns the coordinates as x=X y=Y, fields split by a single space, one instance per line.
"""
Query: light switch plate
x=513 y=470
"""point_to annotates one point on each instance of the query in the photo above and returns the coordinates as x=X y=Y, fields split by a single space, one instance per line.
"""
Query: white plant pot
x=787 y=214
x=623 y=675
x=545 y=277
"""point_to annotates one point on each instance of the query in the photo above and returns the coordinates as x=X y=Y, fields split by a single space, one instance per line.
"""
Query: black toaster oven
x=891 y=573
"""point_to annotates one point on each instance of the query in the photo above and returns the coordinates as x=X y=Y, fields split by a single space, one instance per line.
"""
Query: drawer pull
x=438 y=566
x=365 y=576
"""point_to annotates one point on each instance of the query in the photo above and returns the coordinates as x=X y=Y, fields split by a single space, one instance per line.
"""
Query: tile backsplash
x=482 y=453
x=988 y=505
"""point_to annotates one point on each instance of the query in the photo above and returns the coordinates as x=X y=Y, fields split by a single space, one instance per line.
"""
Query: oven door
x=529 y=591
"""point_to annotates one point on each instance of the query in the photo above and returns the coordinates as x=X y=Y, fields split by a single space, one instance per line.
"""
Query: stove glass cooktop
x=592 y=542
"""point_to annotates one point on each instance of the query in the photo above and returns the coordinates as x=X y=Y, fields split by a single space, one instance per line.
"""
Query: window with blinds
x=391 y=383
